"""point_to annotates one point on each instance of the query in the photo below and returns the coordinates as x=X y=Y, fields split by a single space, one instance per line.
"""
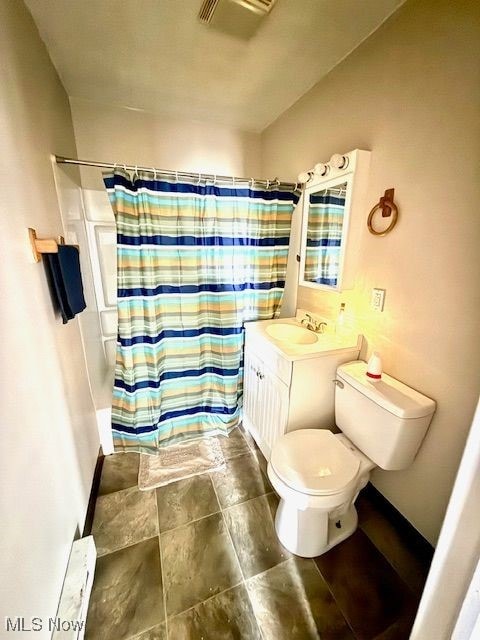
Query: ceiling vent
x=240 y=18
x=258 y=6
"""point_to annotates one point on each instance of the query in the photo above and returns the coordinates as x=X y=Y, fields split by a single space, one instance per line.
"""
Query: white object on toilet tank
x=386 y=419
x=374 y=367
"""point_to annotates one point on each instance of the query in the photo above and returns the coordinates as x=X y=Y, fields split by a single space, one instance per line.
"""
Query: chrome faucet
x=313 y=325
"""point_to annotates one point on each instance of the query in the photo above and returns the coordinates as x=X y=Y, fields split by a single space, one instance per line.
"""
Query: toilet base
x=311 y=532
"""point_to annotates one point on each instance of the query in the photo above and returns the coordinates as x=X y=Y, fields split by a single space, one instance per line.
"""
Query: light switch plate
x=378 y=299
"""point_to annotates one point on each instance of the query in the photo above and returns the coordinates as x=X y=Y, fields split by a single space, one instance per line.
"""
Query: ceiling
x=155 y=55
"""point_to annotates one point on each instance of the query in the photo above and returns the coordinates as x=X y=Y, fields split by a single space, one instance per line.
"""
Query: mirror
x=333 y=207
x=325 y=221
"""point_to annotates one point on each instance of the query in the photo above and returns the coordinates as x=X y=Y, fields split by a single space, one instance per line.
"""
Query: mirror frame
x=355 y=176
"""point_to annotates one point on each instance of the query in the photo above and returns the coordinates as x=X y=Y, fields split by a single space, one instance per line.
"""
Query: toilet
x=318 y=474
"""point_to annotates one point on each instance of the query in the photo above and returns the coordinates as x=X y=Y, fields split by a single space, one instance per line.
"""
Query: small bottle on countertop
x=340 y=322
x=374 y=367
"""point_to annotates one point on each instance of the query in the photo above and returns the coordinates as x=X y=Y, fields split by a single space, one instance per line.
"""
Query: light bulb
x=321 y=169
x=338 y=161
x=304 y=177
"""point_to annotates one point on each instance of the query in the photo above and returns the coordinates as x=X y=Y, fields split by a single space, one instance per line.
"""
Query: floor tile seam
x=120 y=512
x=257 y=622
x=400 y=577
x=139 y=635
x=197 y=604
x=228 y=533
x=261 y=573
x=241 y=429
x=262 y=495
x=238 y=455
x=127 y=546
x=164 y=590
x=249 y=448
x=347 y=622
x=390 y=626
x=253 y=453
x=109 y=493
x=409 y=589
x=248 y=453
x=226 y=524
x=246 y=581
x=185 y=524
x=233 y=546
x=254 y=450
x=204 y=473
x=326 y=583
x=340 y=607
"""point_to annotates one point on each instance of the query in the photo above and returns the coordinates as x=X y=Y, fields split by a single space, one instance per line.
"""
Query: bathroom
x=397 y=79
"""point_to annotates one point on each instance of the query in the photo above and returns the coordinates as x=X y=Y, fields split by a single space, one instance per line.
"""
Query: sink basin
x=291 y=333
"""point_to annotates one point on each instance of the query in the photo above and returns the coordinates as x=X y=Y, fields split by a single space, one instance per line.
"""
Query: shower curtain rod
x=179 y=174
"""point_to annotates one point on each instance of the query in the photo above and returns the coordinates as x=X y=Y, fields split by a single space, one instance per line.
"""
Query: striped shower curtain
x=324 y=235
x=195 y=261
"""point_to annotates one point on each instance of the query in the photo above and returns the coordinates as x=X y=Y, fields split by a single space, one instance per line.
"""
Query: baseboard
x=71 y=618
x=97 y=474
x=411 y=535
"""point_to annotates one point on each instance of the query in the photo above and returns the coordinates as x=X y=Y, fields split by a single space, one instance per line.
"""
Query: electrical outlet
x=378 y=299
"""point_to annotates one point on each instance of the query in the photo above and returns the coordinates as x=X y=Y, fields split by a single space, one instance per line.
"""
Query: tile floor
x=199 y=560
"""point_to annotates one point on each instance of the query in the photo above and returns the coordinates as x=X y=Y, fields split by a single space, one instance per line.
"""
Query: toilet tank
x=386 y=420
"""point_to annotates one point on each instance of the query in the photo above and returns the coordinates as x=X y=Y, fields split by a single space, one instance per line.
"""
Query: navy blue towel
x=66 y=280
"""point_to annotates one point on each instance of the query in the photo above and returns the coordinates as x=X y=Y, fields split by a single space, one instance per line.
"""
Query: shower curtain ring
x=199 y=179
x=214 y=179
x=176 y=176
x=268 y=184
x=154 y=173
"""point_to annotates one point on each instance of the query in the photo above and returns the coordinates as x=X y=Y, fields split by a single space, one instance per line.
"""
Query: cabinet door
x=265 y=403
x=251 y=388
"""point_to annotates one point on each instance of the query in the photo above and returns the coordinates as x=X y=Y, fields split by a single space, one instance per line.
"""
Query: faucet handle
x=319 y=326
x=307 y=319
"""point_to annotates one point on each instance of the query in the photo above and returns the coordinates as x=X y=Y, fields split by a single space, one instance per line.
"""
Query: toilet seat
x=314 y=462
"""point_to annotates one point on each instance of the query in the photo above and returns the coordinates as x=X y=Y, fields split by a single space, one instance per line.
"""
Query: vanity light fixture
x=321 y=169
x=337 y=161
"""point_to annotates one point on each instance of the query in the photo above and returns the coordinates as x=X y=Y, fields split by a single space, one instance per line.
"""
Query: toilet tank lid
x=388 y=393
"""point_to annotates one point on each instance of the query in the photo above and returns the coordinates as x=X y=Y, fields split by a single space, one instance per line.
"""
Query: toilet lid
x=313 y=461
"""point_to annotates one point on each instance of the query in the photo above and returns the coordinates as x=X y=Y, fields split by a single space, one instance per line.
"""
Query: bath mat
x=180 y=461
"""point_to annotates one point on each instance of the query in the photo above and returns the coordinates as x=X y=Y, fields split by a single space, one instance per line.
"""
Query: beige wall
x=410 y=94
x=49 y=441
x=117 y=134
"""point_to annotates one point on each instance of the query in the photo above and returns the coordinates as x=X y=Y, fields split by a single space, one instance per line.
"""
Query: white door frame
x=449 y=581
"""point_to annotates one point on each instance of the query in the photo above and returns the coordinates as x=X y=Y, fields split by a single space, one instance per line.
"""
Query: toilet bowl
x=318 y=474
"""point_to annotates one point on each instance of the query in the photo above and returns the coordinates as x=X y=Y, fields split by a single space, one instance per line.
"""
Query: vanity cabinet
x=282 y=392
x=265 y=401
